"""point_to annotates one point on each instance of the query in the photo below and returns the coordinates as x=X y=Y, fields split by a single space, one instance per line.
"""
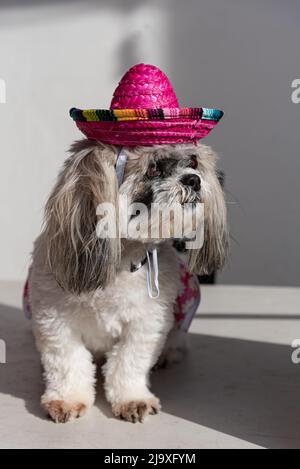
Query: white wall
x=53 y=56
x=238 y=55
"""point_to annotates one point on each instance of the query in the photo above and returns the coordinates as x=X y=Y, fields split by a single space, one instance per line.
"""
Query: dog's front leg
x=69 y=375
x=127 y=369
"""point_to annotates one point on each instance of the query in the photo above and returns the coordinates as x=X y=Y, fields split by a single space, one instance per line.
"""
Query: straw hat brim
x=146 y=127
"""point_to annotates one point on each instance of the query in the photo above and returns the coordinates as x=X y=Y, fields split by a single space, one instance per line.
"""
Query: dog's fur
x=86 y=302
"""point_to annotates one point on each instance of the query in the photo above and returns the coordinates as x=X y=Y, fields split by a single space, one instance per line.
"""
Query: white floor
x=238 y=388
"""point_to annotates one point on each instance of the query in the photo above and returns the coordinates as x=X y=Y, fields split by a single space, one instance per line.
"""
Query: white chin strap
x=152 y=258
x=120 y=165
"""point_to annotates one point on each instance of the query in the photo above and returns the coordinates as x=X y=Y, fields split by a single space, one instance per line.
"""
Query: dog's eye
x=193 y=163
x=152 y=170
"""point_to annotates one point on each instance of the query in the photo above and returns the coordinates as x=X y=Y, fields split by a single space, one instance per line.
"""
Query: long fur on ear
x=211 y=256
x=79 y=260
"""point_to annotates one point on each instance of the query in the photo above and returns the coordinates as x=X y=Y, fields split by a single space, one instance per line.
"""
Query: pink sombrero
x=145 y=111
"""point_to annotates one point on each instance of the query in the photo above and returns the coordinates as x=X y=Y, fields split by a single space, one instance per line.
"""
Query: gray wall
x=238 y=55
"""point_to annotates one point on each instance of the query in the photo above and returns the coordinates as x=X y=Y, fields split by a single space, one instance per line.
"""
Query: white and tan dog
x=87 y=302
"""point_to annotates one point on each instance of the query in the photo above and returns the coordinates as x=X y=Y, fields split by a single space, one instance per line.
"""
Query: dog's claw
x=62 y=412
x=136 y=411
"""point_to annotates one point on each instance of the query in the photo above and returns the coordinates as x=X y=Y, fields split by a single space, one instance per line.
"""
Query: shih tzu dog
x=87 y=301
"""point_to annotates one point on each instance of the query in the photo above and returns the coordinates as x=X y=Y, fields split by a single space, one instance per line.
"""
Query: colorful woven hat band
x=145 y=111
x=119 y=115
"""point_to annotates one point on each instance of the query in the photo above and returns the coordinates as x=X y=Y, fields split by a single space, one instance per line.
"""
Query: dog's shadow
x=246 y=389
x=21 y=375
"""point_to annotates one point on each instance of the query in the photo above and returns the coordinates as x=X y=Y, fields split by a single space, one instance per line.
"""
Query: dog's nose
x=192 y=180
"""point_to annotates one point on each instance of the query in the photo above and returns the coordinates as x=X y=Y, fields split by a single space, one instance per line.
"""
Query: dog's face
x=168 y=176
x=163 y=175
x=155 y=177
x=164 y=180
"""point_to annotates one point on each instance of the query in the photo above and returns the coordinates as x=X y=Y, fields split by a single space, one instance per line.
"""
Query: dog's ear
x=211 y=256
x=79 y=260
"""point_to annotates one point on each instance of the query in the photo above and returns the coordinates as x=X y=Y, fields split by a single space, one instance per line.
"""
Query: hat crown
x=144 y=87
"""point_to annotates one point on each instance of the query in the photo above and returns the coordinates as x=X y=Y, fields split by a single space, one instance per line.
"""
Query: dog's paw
x=61 y=411
x=170 y=357
x=138 y=410
x=174 y=350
